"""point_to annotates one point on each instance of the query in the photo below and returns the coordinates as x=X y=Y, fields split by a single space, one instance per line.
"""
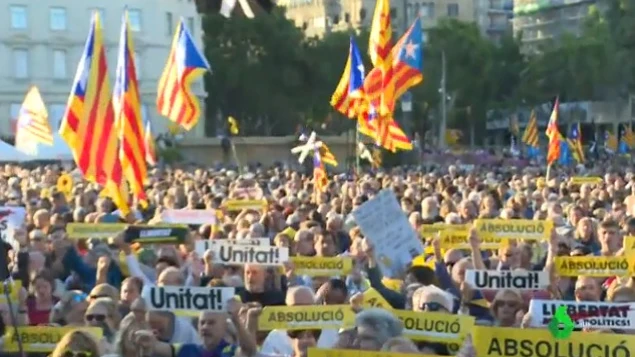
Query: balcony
x=500 y=6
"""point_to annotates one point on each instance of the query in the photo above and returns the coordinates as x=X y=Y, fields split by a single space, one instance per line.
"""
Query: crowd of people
x=89 y=292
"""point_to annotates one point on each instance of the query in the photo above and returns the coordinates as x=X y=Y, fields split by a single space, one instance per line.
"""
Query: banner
x=239 y=205
x=319 y=352
x=186 y=301
x=11 y=218
x=317 y=317
x=514 y=342
x=42 y=339
x=430 y=230
x=507 y=279
x=629 y=244
x=435 y=326
x=523 y=229
x=189 y=216
x=14 y=291
x=104 y=230
x=373 y=299
x=203 y=245
x=458 y=239
x=249 y=254
x=155 y=234
x=593 y=266
x=580 y=180
x=322 y=266
x=590 y=314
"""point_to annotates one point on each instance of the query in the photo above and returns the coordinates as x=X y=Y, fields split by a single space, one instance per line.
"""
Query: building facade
x=41 y=44
x=539 y=22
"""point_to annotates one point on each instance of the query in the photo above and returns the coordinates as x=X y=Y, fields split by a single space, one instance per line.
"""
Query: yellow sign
x=65 y=183
x=458 y=239
x=513 y=229
x=322 y=266
x=514 y=342
x=580 y=180
x=318 y=352
x=42 y=339
x=305 y=317
x=629 y=244
x=103 y=230
x=429 y=230
x=435 y=326
x=373 y=299
x=239 y=205
x=14 y=292
x=593 y=266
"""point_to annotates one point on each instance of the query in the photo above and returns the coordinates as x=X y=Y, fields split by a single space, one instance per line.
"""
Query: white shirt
x=279 y=343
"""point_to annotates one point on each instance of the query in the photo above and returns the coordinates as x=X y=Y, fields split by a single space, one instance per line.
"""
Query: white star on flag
x=410 y=49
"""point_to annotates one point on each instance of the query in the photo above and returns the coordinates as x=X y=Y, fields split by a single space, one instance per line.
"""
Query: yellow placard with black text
x=435 y=326
x=581 y=180
x=515 y=342
x=322 y=266
x=103 y=230
x=458 y=239
x=629 y=244
x=521 y=229
x=373 y=299
x=42 y=339
x=319 y=352
x=308 y=317
x=239 y=205
x=594 y=266
x=430 y=230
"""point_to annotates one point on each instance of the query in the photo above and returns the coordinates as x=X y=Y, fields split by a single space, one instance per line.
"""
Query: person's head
x=304 y=242
x=587 y=289
x=125 y=342
x=161 y=323
x=130 y=289
x=212 y=327
x=77 y=343
x=255 y=277
x=336 y=292
x=450 y=258
x=171 y=276
x=505 y=306
x=70 y=309
x=103 y=313
x=375 y=327
x=609 y=234
x=41 y=219
x=432 y=299
x=104 y=291
x=300 y=295
x=325 y=245
x=43 y=286
x=400 y=345
x=458 y=270
x=302 y=340
x=510 y=255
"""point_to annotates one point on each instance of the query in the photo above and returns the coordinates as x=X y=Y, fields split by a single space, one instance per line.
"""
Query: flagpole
x=240 y=168
x=357 y=140
x=547 y=173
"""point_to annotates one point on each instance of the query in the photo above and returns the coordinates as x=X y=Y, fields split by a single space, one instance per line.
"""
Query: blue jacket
x=88 y=274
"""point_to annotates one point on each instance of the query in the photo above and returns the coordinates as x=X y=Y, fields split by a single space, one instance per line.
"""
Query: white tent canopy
x=10 y=154
x=59 y=151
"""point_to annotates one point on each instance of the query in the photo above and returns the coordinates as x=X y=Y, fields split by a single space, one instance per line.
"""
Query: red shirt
x=37 y=317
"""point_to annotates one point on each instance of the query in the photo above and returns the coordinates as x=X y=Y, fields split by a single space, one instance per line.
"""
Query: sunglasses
x=95 y=317
x=432 y=306
x=76 y=354
x=79 y=297
x=450 y=264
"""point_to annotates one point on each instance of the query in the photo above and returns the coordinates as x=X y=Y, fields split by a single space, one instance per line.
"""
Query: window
x=347 y=17
x=59 y=64
x=393 y=12
x=453 y=10
x=138 y=65
x=18 y=17
x=169 y=23
x=191 y=25
x=58 y=18
x=56 y=111
x=134 y=16
x=430 y=6
x=21 y=63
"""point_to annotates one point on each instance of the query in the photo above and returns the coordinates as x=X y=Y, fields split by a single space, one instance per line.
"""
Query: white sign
x=224 y=253
x=383 y=222
x=589 y=314
x=11 y=218
x=188 y=216
x=203 y=245
x=185 y=300
x=507 y=279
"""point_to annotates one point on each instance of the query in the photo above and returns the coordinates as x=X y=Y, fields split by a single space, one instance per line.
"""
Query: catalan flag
x=186 y=63
x=553 y=150
x=327 y=156
x=151 y=152
x=127 y=107
x=530 y=136
x=610 y=142
x=33 y=124
x=346 y=98
x=88 y=125
x=379 y=49
x=320 y=180
x=575 y=143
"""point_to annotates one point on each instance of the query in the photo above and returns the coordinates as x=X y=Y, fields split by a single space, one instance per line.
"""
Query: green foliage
x=170 y=155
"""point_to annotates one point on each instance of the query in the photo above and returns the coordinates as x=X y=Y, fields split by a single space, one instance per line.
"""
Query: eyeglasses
x=450 y=264
x=95 y=317
x=508 y=303
x=97 y=296
x=76 y=354
x=432 y=306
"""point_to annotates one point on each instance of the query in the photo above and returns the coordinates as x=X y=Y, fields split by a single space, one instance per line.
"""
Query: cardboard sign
x=373 y=299
x=42 y=339
x=239 y=205
x=524 y=229
x=322 y=266
x=458 y=239
x=435 y=326
x=507 y=279
x=103 y=230
x=585 y=314
x=155 y=235
x=189 y=216
x=430 y=230
x=309 y=317
x=581 y=180
x=203 y=245
x=186 y=301
x=593 y=266
x=248 y=254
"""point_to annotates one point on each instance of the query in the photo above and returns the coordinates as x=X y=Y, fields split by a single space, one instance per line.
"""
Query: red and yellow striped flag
x=127 y=107
x=380 y=52
x=88 y=125
x=530 y=136
x=553 y=150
